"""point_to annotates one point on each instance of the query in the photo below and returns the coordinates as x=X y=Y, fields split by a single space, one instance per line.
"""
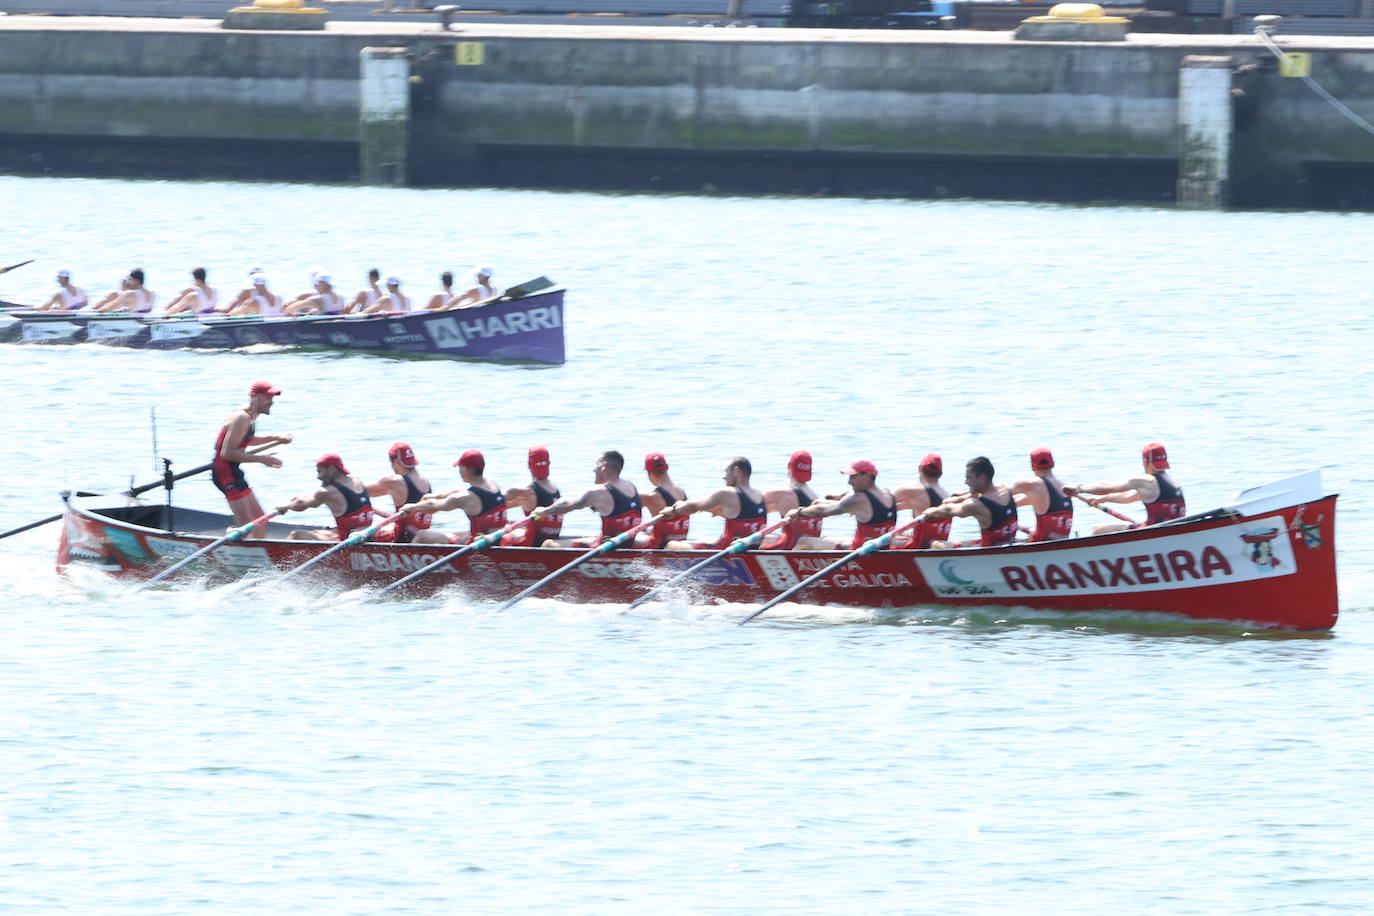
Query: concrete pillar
x=384 y=115
x=1205 y=127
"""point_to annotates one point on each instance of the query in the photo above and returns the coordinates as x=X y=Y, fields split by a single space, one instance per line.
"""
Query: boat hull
x=529 y=329
x=1276 y=569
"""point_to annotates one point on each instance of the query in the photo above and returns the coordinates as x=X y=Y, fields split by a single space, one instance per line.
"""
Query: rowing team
x=257 y=298
x=745 y=509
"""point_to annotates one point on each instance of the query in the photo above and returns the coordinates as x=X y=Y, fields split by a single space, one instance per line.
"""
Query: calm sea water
x=191 y=751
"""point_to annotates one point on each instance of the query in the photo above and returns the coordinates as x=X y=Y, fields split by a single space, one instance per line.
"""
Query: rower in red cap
x=742 y=506
x=482 y=501
x=237 y=435
x=664 y=494
x=614 y=499
x=920 y=498
x=874 y=509
x=797 y=494
x=405 y=485
x=341 y=493
x=1044 y=493
x=991 y=505
x=541 y=492
x=1163 y=498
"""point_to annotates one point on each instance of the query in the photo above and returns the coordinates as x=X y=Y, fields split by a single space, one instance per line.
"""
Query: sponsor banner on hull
x=181 y=330
x=451 y=333
x=1255 y=549
x=106 y=330
x=48 y=330
x=166 y=547
x=239 y=557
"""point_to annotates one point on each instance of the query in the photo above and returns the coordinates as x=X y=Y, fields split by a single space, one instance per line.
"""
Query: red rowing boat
x=1270 y=559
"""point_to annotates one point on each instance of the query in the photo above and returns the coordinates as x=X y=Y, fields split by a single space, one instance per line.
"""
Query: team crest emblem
x=1261 y=547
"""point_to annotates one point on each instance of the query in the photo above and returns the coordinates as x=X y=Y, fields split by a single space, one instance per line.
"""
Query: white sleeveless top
x=205 y=303
x=73 y=301
x=143 y=301
x=269 y=306
x=333 y=303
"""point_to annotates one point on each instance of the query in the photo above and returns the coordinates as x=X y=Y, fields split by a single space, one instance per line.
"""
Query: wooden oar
x=5 y=270
x=1112 y=512
x=483 y=542
x=233 y=535
x=605 y=546
x=878 y=543
x=142 y=488
x=737 y=546
x=353 y=540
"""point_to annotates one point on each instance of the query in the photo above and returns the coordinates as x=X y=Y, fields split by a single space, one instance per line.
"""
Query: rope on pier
x=1264 y=34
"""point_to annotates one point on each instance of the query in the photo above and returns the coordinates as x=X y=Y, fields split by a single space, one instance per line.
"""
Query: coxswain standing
x=797 y=495
x=68 y=298
x=344 y=495
x=664 y=494
x=198 y=298
x=236 y=435
x=404 y=485
x=614 y=499
x=743 y=507
x=1163 y=498
x=482 y=502
x=541 y=493
x=874 y=509
x=992 y=506
x=918 y=499
x=1044 y=493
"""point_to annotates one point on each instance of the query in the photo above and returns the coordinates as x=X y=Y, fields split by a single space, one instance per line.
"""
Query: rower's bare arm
x=780 y=502
x=301 y=503
x=387 y=486
x=592 y=499
x=521 y=498
x=828 y=506
x=913 y=498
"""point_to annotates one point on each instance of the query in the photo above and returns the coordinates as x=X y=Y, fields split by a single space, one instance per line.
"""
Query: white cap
x=393 y=281
x=259 y=280
x=64 y=273
x=323 y=278
x=484 y=271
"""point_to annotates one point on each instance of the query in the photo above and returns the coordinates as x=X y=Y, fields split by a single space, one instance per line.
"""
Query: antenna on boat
x=167 y=481
x=152 y=415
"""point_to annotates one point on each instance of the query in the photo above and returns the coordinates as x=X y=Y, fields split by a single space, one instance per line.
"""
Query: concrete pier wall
x=748 y=110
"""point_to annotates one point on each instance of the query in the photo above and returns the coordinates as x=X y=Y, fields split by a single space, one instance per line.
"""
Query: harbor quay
x=1200 y=120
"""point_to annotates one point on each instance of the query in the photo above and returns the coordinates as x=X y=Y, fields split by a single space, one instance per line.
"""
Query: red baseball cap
x=654 y=461
x=1041 y=458
x=539 y=461
x=933 y=464
x=403 y=453
x=800 y=465
x=332 y=460
x=862 y=466
x=261 y=387
x=471 y=459
x=1154 y=453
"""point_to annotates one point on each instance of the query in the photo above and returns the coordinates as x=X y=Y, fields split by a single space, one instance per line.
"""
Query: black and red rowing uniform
x=228 y=475
x=492 y=516
x=798 y=527
x=753 y=515
x=882 y=518
x=626 y=512
x=1004 y=525
x=672 y=529
x=925 y=533
x=1168 y=504
x=1056 y=523
x=357 y=513
x=536 y=533
x=412 y=523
